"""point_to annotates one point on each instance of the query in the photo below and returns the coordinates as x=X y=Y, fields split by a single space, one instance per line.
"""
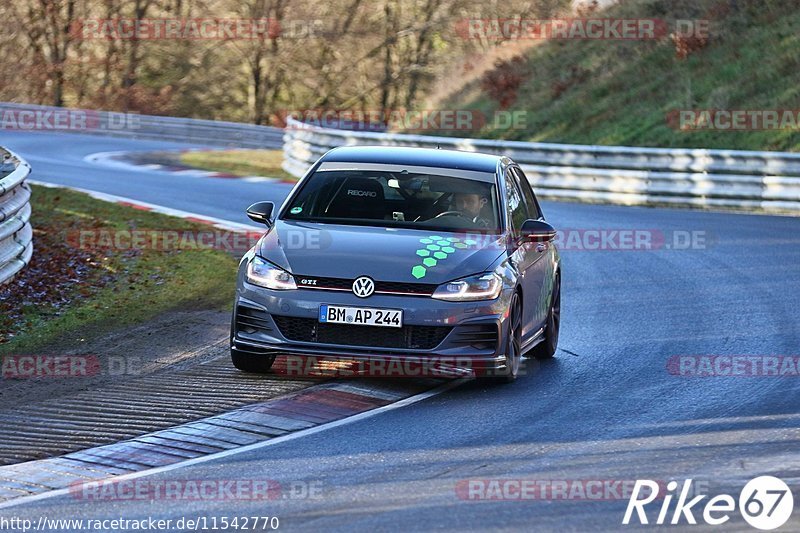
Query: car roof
x=423 y=157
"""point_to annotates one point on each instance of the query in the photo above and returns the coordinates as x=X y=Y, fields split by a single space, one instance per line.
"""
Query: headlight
x=265 y=274
x=481 y=287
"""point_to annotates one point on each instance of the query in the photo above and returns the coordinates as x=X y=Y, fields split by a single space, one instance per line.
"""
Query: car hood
x=384 y=254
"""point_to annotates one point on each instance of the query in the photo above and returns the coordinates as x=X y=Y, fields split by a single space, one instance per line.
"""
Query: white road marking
x=197 y=173
x=257 y=179
x=216 y=222
x=109 y=159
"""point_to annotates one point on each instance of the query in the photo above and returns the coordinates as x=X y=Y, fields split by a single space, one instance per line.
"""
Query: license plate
x=361 y=316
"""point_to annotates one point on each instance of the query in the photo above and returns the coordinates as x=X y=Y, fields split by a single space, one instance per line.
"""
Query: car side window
x=516 y=206
x=527 y=192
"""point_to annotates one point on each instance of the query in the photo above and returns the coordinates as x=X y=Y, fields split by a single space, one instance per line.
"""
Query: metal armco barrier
x=16 y=234
x=746 y=180
x=25 y=117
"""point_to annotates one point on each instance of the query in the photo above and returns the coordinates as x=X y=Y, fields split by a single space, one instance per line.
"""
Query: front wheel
x=513 y=343
x=547 y=348
x=252 y=363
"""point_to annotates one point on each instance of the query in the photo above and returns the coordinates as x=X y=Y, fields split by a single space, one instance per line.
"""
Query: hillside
x=621 y=92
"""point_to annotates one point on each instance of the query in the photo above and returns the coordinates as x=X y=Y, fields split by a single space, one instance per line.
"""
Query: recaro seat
x=358 y=198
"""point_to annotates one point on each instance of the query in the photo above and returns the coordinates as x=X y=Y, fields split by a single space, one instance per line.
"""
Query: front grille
x=251 y=320
x=423 y=289
x=479 y=336
x=406 y=337
x=381 y=287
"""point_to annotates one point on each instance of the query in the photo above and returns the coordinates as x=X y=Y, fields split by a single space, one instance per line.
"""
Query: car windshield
x=445 y=200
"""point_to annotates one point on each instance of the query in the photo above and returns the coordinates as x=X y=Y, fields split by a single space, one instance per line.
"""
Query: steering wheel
x=442 y=199
x=453 y=213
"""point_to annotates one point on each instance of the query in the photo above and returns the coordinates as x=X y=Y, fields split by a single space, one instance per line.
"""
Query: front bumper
x=468 y=335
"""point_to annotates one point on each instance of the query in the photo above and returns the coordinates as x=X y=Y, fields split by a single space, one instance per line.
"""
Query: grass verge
x=625 y=92
x=72 y=293
x=240 y=162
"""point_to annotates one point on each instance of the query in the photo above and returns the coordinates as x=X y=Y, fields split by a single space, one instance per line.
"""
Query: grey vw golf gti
x=405 y=254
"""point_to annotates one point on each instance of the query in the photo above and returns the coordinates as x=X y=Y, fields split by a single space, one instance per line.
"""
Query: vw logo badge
x=363 y=287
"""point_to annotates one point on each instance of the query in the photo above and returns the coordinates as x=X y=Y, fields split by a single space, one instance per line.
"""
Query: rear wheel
x=252 y=363
x=547 y=348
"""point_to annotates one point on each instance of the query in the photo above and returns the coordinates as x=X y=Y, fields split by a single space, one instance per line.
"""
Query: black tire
x=547 y=348
x=513 y=343
x=252 y=363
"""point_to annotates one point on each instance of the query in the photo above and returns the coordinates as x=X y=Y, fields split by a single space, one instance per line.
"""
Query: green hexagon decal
x=436 y=248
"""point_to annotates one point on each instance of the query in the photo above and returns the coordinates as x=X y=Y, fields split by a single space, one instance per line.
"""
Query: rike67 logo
x=765 y=503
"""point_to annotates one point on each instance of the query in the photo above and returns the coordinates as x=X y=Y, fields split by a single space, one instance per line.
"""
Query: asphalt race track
x=60 y=159
x=612 y=406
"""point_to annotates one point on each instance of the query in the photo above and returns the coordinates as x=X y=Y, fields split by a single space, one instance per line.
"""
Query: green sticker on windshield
x=296 y=210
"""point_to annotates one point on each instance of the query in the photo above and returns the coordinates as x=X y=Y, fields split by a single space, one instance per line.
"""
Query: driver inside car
x=471 y=206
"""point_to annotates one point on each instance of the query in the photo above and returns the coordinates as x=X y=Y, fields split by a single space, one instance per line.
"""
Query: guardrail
x=16 y=234
x=738 y=179
x=25 y=117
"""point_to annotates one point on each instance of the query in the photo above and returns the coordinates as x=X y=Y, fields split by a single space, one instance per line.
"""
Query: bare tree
x=381 y=54
x=48 y=27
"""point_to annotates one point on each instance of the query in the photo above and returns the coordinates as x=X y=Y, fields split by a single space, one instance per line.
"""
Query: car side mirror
x=537 y=231
x=261 y=212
